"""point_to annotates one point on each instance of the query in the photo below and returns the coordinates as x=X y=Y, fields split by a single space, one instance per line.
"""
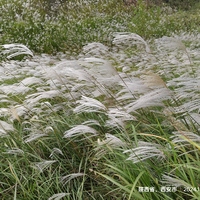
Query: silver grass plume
x=42 y=95
x=55 y=151
x=183 y=138
x=173 y=180
x=14 y=151
x=14 y=114
x=144 y=151
x=65 y=179
x=117 y=117
x=89 y=105
x=33 y=136
x=168 y=112
x=5 y=127
x=111 y=142
x=97 y=67
x=44 y=164
x=95 y=49
x=14 y=89
x=91 y=122
x=153 y=80
x=190 y=106
x=58 y=196
x=130 y=88
x=153 y=98
x=80 y=130
x=133 y=36
x=31 y=80
x=176 y=43
x=16 y=50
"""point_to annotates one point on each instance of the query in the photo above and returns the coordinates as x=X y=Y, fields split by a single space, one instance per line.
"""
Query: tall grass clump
x=89 y=129
x=112 y=120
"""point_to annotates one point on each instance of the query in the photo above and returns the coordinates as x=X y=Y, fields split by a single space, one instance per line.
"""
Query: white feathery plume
x=95 y=49
x=16 y=50
x=35 y=117
x=31 y=80
x=127 y=97
x=4 y=112
x=4 y=127
x=20 y=110
x=110 y=82
x=186 y=89
x=58 y=196
x=133 y=36
x=57 y=151
x=184 y=138
x=14 y=89
x=175 y=181
x=172 y=43
x=48 y=128
x=91 y=122
x=117 y=117
x=168 y=112
x=89 y=105
x=115 y=123
x=14 y=114
x=67 y=70
x=99 y=66
x=153 y=98
x=187 y=152
x=182 y=94
x=175 y=43
x=187 y=83
x=72 y=64
x=189 y=106
x=111 y=141
x=44 y=164
x=6 y=101
x=79 y=86
x=14 y=151
x=120 y=113
x=3 y=96
x=65 y=179
x=46 y=104
x=195 y=117
x=144 y=151
x=134 y=86
x=42 y=95
x=153 y=80
x=32 y=137
x=97 y=92
x=80 y=130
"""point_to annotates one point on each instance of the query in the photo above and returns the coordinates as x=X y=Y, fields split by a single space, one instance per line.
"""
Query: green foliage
x=147 y=21
x=181 y=4
x=155 y=21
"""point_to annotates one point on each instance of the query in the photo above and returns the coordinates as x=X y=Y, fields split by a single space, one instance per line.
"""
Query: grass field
x=99 y=100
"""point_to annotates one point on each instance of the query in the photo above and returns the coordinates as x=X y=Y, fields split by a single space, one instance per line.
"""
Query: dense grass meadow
x=99 y=100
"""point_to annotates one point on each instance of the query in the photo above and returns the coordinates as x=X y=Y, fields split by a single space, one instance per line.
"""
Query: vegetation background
x=99 y=99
